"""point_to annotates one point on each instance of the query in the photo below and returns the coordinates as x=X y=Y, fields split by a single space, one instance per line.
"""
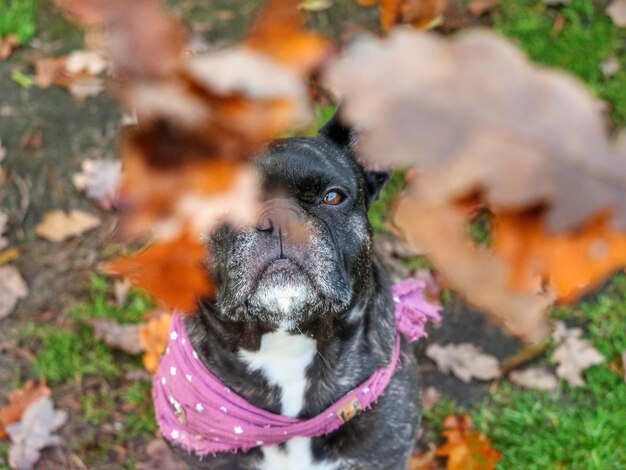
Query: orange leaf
x=466 y=449
x=19 y=400
x=172 y=271
x=424 y=460
x=153 y=339
x=278 y=31
x=571 y=263
x=422 y=14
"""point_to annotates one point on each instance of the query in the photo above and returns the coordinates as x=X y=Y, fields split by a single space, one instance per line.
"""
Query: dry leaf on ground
x=610 y=66
x=7 y=44
x=161 y=457
x=480 y=7
x=573 y=354
x=115 y=335
x=19 y=400
x=120 y=290
x=534 y=377
x=4 y=219
x=465 y=448
x=153 y=337
x=77 y=72
x=464 y=360
x=422 y=14
x=430 y=397
x=12 y=289
x=34 y=432
x=57 y=225
x=315 y=5
x=99 y=179
x=617 y=11
x=425 y=460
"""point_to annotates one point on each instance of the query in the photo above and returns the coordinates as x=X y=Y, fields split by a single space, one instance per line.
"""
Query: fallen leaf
x=610 y=66
x=34 y=432
x=573 y=354
x=31 y=139
x=424 y=460
x=4 y=219
x=153 y=337
x=172 y=270
x=115 y=335
x=9 y=255
x=57 y=226
x=87 y=62
x=430 y=396
x=8 y=44
x=617 y=11
x=12 y=289
x=422 y=14
x=161 y=457
x=77 y=72
x=19 y=400
x=120 y=290
x=480 y=7
x=534 y=378
x=99 y=179
x=464 y=360
x=465 y=448
x=315 y=5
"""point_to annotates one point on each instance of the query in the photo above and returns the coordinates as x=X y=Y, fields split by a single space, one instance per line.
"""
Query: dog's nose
x=265 y=224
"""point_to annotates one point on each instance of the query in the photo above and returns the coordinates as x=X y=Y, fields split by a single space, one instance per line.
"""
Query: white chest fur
x=283 y=358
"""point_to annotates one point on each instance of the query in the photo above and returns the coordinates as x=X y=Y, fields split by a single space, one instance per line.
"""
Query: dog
x=304 y=312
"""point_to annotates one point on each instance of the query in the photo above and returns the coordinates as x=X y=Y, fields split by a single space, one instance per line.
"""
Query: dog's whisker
x=317 y=350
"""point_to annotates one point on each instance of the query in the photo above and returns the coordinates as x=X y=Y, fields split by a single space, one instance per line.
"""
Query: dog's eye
x=333 y=197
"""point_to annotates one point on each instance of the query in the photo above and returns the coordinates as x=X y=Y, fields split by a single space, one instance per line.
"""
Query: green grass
x=68 y=355
x=18 y=17
x=380 y=209
x=578 y=428
x=64 y=355
x=101 y=303
x=587 y=38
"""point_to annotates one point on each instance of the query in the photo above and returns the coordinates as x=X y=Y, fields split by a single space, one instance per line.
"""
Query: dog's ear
x=345 y=137
x=341 y=134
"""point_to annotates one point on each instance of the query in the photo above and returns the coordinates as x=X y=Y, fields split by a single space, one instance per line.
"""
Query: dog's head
x=310 y=252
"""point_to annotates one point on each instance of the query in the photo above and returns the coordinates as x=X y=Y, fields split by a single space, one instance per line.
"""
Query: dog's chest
x=283 y=359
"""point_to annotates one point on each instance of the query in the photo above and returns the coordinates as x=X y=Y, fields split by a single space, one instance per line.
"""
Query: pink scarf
x=196 y=411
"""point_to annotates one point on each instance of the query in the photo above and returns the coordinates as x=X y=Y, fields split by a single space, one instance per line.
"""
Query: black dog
x=304 y=312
